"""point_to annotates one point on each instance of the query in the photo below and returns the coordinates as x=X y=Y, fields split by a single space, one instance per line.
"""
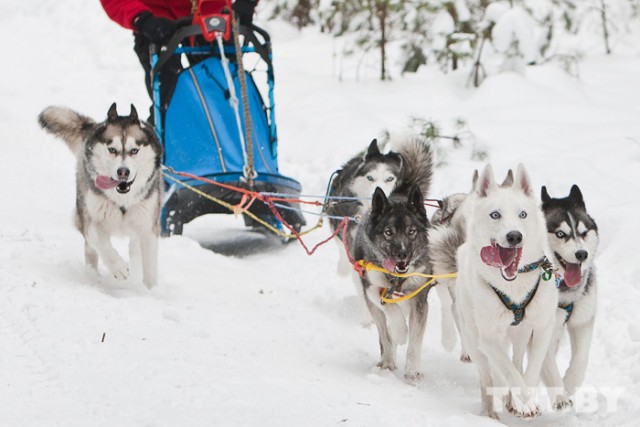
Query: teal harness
x=519 y=309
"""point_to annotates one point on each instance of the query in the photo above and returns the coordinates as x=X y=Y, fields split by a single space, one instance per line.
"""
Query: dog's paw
x=562 y=403
x=118 y=268
x=387 y=364
x=413 y=378
x=150 y=282
x=491 y=414
x=522 y=409
x=465 y=358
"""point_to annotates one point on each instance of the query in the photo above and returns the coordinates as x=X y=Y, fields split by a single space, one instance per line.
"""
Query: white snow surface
x=274 y=338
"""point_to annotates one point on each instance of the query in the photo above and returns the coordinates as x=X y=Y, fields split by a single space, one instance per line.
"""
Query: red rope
x=274 y=210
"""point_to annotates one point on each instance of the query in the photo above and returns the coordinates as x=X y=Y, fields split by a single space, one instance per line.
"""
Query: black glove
x=244 y=10
x=158 y=30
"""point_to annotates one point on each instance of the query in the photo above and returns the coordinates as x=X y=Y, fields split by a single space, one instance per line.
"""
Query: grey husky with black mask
x=118 y=185
x=393 y=235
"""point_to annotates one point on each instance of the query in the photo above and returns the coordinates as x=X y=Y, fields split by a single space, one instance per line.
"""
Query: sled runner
x=216 y=125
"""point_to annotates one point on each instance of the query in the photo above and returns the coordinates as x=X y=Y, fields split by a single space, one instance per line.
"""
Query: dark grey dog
x=393 y=234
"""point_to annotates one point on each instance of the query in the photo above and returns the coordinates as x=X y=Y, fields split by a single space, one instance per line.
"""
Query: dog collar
x=517 y=309
x=543 y=262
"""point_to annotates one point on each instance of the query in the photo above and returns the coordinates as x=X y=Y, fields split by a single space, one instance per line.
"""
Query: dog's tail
x=68 y=125
x=417 y=157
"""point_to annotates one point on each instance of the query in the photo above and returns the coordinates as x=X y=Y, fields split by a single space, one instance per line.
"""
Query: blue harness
x=519 y=309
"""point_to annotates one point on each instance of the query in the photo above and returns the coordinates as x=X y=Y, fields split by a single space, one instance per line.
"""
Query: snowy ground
x=273 y=338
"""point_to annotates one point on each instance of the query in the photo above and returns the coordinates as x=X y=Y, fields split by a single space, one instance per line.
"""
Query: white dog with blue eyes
x=505 y=291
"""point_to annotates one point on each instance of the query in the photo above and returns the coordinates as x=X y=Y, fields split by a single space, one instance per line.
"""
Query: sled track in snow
x=23 y=347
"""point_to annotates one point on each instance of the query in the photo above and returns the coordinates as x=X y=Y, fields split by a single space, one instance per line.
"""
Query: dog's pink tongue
x=105 y=182
x=572 y=275
x=389 y=264
x=491 y=256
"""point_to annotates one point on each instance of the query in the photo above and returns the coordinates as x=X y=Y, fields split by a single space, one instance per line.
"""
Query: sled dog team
x=525 y=269
x=525 y=272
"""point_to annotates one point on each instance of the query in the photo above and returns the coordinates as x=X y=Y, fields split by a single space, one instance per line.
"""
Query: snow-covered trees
x=481 y=36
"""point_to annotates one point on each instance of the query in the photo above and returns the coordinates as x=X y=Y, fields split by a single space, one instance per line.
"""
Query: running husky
x=357 y=180
x=502 y=295
x=353 y=185
x=118 y=185
x=573 y=241
x=393 y=234
x=447 y=234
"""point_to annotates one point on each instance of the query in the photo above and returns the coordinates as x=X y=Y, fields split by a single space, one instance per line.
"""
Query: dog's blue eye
x=390 y=179
x=495 y=215
x=133 y=151
x=412 y=231
x=388 y=232
x=560 y=234
x=113 y=150
x=369 y=177
x=523 y=215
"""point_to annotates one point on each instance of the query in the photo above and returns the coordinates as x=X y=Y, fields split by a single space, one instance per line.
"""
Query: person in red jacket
x=153 y=22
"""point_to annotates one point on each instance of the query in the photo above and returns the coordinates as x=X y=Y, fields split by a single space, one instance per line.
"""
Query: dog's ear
x=575 y=195
x=378 y=202
x=485 y=181
x=544 y=195
x=133 y=115
x=373 y=149
x=508 y=180
x=474 y=180
x=112 y=114
x=523 y=181
x=415 y=201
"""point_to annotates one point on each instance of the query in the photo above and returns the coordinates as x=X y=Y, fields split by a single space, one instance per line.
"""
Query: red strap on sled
x=213 y=16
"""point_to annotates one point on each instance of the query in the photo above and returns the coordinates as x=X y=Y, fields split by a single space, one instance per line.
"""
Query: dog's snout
x=401 y=255
x=514 y=238
x=582 y=255
x=123 y=173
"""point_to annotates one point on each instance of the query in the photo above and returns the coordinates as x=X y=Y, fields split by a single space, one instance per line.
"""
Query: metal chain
x=250 y=172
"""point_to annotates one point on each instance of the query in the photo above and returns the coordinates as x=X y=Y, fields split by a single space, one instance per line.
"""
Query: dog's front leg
x=580 y=342
x=550 y=372
x=387 y=346
x=521 y=404
x=540 y=341
x=520 y=337
x=98 y=238
x=417 y=325
x=90 y=255
x=539 y=345
x=149 y=255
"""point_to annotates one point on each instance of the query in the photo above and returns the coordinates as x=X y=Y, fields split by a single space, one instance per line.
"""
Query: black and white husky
x=503 y=294
x=118 y=185
x=393 y=235
x=573 y=242
x=354 y=183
